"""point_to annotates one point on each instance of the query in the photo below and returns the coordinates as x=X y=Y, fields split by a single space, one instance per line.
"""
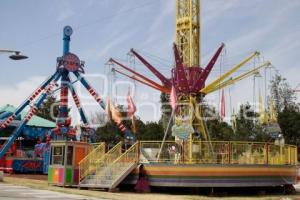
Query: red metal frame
x=185 y=79
x=161 y=77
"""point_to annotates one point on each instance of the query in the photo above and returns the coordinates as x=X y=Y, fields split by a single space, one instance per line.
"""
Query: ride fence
x=217 y=152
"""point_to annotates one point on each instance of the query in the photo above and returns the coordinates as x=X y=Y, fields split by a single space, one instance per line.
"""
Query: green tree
x=109 y=133
x=287 y=109
x=247 y=128
x=289 y=121
x=152 y=131
x=217 y=129
x=49 y=107
x=282 y=94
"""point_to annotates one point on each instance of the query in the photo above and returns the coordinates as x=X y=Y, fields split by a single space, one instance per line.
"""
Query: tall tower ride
x=188 y=31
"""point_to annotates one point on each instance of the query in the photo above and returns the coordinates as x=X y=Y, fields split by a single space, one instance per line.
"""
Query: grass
x=43 y=184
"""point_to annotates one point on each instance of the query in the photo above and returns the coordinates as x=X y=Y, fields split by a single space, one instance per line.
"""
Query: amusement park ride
x=67 y=64
x=186 y=162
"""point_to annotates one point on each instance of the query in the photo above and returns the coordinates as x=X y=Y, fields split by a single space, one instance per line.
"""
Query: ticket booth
x=64 y=158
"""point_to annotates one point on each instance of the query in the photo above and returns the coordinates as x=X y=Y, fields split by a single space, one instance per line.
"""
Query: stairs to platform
x=88 y=164
x=112 y=168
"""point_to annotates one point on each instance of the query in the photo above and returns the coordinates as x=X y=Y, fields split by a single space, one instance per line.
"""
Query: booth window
x=58 y=155
x=70 y=155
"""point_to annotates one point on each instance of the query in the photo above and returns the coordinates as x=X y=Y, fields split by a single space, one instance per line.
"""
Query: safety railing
x=88 y=164
x=103 y=162
x=207 y=152
x=249 y=153
x=115 y=164
x=131 y=155
x=108 y=158
x=218 y=152
x=124 y=163
x=95 y=145
x=170 y=151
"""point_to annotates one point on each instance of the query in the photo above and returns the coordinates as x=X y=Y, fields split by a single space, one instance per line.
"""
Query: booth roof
x=34 y=121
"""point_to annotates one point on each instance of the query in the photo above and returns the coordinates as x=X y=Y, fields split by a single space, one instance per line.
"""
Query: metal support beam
x=161 y=77
x=201 y=81
x=162 y=89
x=227 y=74
x=137 y=74
x=188 y=31
x=240 y=77
x=26 y=119
x=78 y=104
x=28 y=101
x=91 y=90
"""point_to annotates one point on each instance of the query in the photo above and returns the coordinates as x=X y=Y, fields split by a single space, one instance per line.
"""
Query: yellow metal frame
x=220 y=152
x=111 y=155
x=219 y=80
x=89 y=163
x=198 y=121
x=112 y=165
x=126 y=161
x=188 y=31
x=238 y=78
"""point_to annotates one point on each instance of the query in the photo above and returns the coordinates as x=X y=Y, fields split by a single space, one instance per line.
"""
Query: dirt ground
x=40 y=182
x=28 y=176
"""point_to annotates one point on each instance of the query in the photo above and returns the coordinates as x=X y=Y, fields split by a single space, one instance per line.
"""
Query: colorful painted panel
x=56 y=175
x=80 y=153
x=25 y=166
x=6 y=165
x=50 y=175
x=61 y=176
x=69 y=176
x=216 y=176
x=75 y=176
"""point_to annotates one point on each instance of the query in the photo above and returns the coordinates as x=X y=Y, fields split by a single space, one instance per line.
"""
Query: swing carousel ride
x=192 y=161
x=189 y=160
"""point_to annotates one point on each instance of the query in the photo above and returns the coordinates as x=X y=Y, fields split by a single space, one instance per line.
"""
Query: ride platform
x=194 y=164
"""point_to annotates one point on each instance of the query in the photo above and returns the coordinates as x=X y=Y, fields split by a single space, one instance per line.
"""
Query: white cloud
x=17 y=93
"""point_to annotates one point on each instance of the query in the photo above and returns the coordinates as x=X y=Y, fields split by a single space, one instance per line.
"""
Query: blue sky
x=109 y=28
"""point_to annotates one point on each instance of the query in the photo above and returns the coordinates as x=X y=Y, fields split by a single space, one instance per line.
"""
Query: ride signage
x=71 y=62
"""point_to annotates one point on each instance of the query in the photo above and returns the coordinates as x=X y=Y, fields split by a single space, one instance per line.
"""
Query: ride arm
x=161 y=77
x=28 y=101
x=91 y=90
x=26 y=119
x=232 y=70
x=135 y=73
x=121 y=126
x=201 y=81
x=240 y=77
x=180 y=69
x=162 y=89
x=77 y=103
